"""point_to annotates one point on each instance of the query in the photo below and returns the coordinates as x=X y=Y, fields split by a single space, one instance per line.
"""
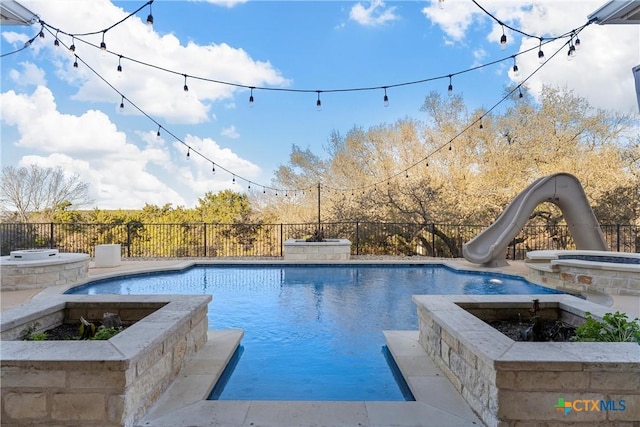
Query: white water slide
x=489 y=248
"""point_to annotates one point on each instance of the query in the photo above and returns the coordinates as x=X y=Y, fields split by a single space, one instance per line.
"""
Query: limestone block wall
x=329 y=250
x=100 y=383
x=513 y=384
x=615 y=280
x=63 y=270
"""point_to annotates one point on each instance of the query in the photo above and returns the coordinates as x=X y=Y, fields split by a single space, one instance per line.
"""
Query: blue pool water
x=313 y=332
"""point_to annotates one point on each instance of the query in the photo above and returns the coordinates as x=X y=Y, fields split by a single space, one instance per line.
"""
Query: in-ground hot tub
x=39 y=268
x=614 y=273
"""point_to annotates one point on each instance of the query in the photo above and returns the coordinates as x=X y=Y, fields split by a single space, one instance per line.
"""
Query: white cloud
x=196 y=171
x=156 y=92
x=230 y=132
x=119 y=173
x=226 y=3
x=16 y=39
x=373 y=15
x=601 y=72
x=31 y=75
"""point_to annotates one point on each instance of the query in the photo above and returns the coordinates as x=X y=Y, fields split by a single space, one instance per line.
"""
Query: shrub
x=614 y=327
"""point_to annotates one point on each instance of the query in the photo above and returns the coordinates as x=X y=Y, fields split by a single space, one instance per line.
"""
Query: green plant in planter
x=29 y=333
x=614 y=327
x=105 y=333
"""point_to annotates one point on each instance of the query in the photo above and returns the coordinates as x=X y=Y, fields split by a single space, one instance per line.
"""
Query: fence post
x=433 y=239
x=205 y=238
x=617 y=237
x=357 y=238
x=281 y=242
x=51 y=226
x=128 y=240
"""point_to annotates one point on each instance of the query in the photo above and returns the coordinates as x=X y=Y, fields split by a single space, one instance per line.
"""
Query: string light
x=318 y=102
x=122 y=104
x=234 y=179
x=574 y=34
x=251 y=97
x=56 y=42
x=516 y=72
x=158 y=133
x=450 y=88
x=41 y=34
x=72 y=48
x=150 y=16
x=577 y=43
x=75 y=63
x=119 y=64
x=185 y=88
x=213 y=168
x=540 y=52
x=385 y=100
x=572 y=50
x=520 y=95
x=503 y=39
x=103 y=45
x=188 y=152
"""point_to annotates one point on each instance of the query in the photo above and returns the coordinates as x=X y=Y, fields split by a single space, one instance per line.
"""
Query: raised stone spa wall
x=513 y=384
x=578 y=275
x=65 y=269
x=97 y=383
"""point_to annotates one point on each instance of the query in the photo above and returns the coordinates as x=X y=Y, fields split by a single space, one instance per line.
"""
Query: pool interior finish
x=313 y=332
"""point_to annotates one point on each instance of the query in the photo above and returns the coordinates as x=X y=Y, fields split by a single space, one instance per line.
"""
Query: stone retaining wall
x=513 y=384
x=97 y=383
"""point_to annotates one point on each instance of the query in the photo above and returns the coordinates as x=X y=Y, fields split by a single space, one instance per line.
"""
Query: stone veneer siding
x=329 y=250
x=98 y=383
x=579 y=278
x=38 y=275
x=514 y=384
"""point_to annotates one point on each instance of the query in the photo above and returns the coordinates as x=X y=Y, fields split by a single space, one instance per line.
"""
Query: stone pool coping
x=417 y=368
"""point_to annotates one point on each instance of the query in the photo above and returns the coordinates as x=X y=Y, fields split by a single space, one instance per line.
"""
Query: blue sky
x=57 y=115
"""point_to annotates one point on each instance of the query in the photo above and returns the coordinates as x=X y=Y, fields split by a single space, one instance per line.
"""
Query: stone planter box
x=509 y=383
x=329 y=250
x=97 y=383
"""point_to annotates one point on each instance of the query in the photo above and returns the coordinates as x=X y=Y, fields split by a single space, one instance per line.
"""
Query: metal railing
x=140 y=240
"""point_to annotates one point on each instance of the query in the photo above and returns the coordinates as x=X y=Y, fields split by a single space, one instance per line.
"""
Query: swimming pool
x=313 y=332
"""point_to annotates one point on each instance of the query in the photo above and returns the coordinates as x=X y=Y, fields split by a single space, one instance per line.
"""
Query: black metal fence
x=266 y=240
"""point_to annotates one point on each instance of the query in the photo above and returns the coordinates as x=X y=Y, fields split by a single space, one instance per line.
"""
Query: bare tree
x=31 y=189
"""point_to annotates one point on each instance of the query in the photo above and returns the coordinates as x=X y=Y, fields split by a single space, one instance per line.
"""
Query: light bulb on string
x=103 y=45
x=122 y=104
x=72 y=48
x=185 y=87
x=318 y=102
x=520 y=95
x=450 y=88
x=481 y=125
x=188 y=152
x=577 y=43
x=150 y=17
x=385 y=100
x=516 y=71
x=119 y=64
x=264 y=190
x=406 y=173
x=213 y=168
x=503 y=40
x=56 y=42
x=41 y=34
x=449 y=145
x=158 y=133
x=572 y=51
x=540 y=52
x=251 y=97
x=75 y=62
x=234 y=179
x=249 y=186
